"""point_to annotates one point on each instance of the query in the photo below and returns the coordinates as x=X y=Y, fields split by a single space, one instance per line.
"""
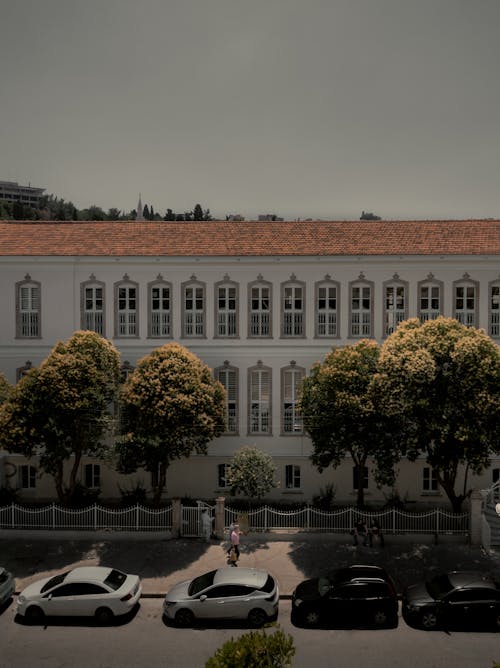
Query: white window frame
x=93 y=306
x=494 y=309
x=326 y=318
x=92 y=473
x=291 y=380
x=293 y=477
x=428 y=309
x=160 y=318
x=226 y=309
x=28 y=309
x=126 y=309
x=360 y=315
x=463 y=291
x=395 y=304
x=27 y=476
x=259 y=400
x=193 y=294
x=293 y=309
x=228 y=376
x=430 y=483
x=260 y=309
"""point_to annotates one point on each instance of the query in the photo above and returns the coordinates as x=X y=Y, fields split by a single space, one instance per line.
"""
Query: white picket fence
x=392 y=521
x=135 y=518
x=266 y=518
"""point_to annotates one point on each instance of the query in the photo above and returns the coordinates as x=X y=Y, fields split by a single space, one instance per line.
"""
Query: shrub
x=255 y=650
x=133 y=495
x=326 y=497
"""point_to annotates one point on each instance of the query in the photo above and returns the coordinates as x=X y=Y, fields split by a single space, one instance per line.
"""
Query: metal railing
x=134 y=518
x=392 y=521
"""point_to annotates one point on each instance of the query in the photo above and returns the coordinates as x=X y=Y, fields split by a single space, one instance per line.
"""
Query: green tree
x=5 y=389
x=257 y=649
x=439 y=384
x=198 y=212
x=251 y=472
x=113 y=214
x=340 y=414
x=171 y=406
x=60 y=410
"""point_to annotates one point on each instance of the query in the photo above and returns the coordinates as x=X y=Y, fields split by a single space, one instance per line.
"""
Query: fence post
x=95 y=516
x=12 y=515
x=176 y=517
x=53 y=516
x=476 y=515
x=394 y=521
x=308 y=517
x=137 y=517
x=219 y=517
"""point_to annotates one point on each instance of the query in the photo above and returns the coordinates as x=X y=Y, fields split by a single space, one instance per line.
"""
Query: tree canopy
x=171 y=406
x=340 y=415
x=251 y=472
x=439 y=384
x=60 y=410
x=5 y=389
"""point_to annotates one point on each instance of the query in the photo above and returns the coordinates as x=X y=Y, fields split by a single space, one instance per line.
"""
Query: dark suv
x=355 y=595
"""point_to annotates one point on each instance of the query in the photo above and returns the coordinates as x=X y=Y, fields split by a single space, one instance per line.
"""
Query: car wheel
x=428 y=619
x=184 y=617
x=34 y=614
x=380 y=618
x=311 y=617
x=257 y=617
x=104 y=616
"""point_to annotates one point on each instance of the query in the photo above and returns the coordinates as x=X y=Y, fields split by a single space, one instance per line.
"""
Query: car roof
x=359 y=572
x=469 y=579
x=251 y=577
x=91 y=573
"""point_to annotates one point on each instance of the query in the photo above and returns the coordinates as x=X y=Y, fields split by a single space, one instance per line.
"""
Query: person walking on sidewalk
x=206 y=525
x=235 y=541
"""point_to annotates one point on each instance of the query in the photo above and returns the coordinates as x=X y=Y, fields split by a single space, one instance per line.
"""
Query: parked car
x=7 y=585
x=226 y=593
x=90 y=591
x=355 y=595
x=465 y=599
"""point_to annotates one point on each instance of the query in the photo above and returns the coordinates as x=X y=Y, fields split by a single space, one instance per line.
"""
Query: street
x=145 y=640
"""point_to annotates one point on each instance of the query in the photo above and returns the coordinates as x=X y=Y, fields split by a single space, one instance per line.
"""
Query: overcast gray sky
x=302 y=108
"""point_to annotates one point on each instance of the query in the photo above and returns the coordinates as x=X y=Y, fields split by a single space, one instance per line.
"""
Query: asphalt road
x=146 y=640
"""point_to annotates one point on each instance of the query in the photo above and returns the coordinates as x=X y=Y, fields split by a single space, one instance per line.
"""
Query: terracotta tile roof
x=130 y=238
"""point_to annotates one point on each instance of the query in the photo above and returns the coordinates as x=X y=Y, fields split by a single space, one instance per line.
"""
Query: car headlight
x=297 y=602
x=169 y=604
x=21 y=599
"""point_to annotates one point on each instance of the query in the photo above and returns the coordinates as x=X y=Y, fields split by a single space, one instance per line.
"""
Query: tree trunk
x=160 y=483
x=360 y=471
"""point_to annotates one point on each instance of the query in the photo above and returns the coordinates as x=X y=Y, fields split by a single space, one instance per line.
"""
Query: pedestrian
x=360 y=531
x=376 y=533
x=206 y=525
x=235 y=542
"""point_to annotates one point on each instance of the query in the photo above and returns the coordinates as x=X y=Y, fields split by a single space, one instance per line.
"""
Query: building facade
x=11 y=191
x=260 y=303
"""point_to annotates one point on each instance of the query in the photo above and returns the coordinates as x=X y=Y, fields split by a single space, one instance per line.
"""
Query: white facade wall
x=60 y=279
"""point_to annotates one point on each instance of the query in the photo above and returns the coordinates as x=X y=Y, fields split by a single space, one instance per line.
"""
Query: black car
x=455 y=599
x=355 y=595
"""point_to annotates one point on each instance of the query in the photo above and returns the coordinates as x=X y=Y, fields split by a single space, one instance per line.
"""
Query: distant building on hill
x=27 y=195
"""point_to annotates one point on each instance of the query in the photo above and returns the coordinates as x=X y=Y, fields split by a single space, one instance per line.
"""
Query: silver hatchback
x=226 y=593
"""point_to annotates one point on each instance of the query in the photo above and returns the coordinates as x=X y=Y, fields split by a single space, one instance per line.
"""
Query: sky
x=298 y=108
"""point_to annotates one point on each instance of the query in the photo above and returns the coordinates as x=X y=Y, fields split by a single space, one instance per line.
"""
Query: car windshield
x=115 y=579
x=269 y=585
x=439 y=586
x=200 y=583
x=56 y=580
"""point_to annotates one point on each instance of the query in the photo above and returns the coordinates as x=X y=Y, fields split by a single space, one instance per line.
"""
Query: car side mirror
x=49 y=597
x=203 y=597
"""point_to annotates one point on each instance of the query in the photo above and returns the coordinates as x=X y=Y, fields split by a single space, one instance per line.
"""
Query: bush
x=133 y=496
x=326 y=497
x=255 y=650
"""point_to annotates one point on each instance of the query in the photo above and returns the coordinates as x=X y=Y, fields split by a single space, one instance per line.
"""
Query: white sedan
x=89 y=591
x=7 y=585
x=226 y=593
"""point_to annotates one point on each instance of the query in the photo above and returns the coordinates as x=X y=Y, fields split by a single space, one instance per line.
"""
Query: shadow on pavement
x=122 y=620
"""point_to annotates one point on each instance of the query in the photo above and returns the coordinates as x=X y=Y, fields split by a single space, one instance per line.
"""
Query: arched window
x=160 y=309
x=326 y=308
x=291 y=380
x=28 y=309
x=494 y=309
x=466 y=301
x=259 y=391
x=126 y=308
x=228 y=376
x=293 y=309
x=226 y=309
x=193 y=309
x=395 y=304
x=92 y=306
x=260 y=299
x=430 y=299
x=360 y=308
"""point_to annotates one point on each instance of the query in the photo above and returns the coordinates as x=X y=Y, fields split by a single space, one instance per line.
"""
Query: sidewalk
x=161 y=562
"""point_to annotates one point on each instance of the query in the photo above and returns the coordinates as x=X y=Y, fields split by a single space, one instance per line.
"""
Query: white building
x=259 y=302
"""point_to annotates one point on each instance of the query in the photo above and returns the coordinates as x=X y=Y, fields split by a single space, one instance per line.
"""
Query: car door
x=339 y=603
x=73 y=599
x=225 y=601
x=462 y=607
